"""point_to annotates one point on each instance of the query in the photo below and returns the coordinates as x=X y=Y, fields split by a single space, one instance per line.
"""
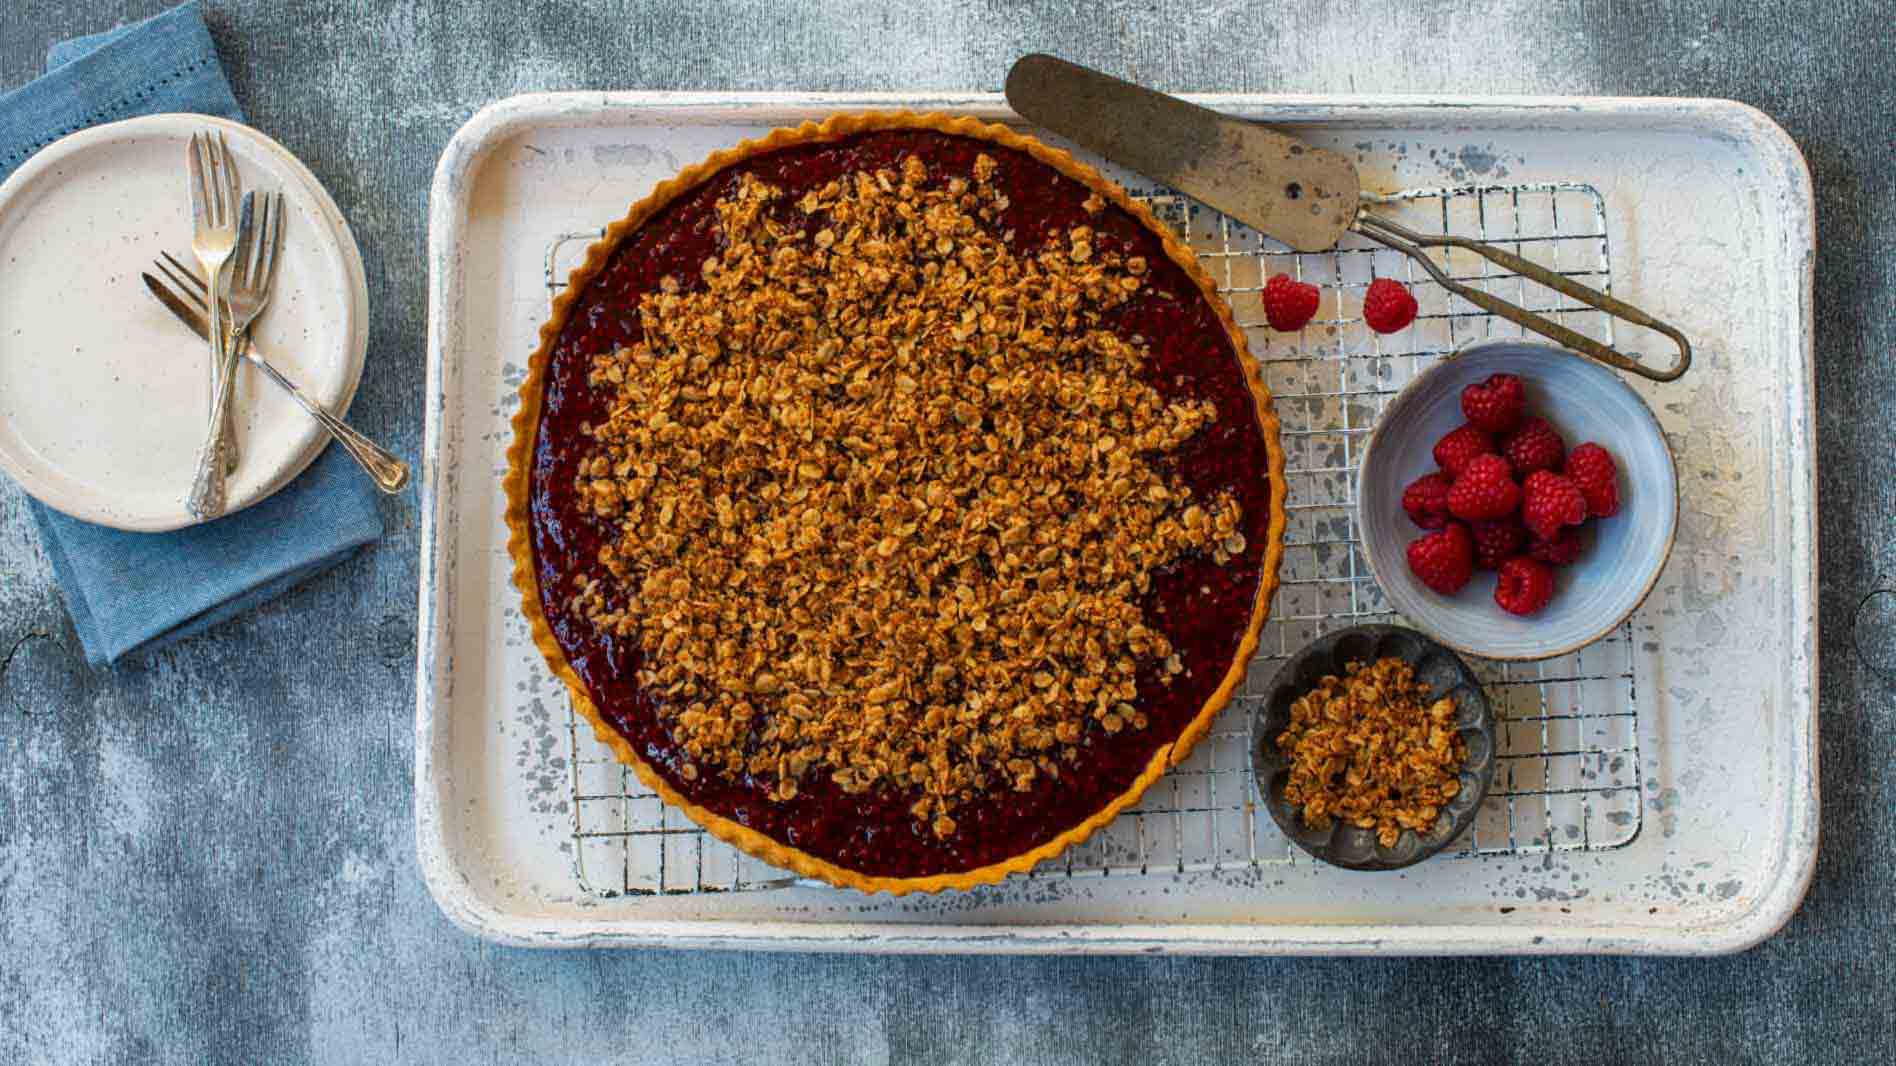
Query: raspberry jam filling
x=1203 y=608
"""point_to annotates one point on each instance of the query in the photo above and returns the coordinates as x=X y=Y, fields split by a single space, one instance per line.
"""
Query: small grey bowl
x=1435 y=666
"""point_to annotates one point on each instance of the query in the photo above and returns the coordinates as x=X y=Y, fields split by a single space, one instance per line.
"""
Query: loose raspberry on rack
x=1426 y=500
x=1567 y=546
x=1484 y=489
x=1592 y=468
x=1289 y=304
x=1461 y=444
x=1443 y=560
x=1534 y=445
x=1549 y=501
x=1388 y=306
x=1497 y=404
x=1524 y=585
x=1497 y=540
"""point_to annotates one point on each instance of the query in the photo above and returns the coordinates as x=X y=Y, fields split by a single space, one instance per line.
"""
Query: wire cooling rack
x=1567 y=777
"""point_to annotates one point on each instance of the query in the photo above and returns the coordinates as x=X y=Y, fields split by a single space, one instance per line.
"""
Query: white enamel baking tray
x=1703 y=844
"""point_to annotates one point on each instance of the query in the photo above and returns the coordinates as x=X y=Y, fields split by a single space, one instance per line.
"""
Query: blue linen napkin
x=137 y=591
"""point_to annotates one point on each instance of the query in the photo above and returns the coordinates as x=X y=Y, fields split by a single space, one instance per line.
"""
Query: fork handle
x=208 y=499
x=212 y=371
x=227 y=432
x=389 y=473
x=231 y=457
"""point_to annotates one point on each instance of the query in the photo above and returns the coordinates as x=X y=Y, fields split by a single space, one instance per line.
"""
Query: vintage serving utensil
x=185 y=299
x=1305 y=196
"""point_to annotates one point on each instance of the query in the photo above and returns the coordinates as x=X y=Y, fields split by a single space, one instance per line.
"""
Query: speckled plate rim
x=1264 y=765
x=1672 y=527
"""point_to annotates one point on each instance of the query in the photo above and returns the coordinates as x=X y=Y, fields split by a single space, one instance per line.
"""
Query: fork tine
x=185 y=276
x=211 y=186
x=214 y=183
x=246 y=250
x=170 y=284
x=234 y=186
x=178 y=285
x=218 y=183
x=177 y=282
x=196 y=167
x=272 y=238
x=214 y=150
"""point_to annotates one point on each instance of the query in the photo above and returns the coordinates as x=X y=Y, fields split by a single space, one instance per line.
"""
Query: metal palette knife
x=1304 y=196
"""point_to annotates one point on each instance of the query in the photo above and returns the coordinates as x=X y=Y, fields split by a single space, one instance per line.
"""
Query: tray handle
x=1411 y=243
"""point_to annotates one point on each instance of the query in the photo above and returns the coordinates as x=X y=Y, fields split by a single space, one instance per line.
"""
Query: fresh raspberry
x=1549 y=501
x=1566 y=546
x=1484 y=489
x=1497 y=404
x=1496 y=540
x=1524 y=586
x=1453 y=451
x=1591 y=467
x=1387 y=306
x=1444 y=560
x=1426 y=500
x=1534 y=446
x=1290 y=304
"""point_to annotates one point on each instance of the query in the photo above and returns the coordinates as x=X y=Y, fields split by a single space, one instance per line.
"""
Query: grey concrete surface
x=206 y=855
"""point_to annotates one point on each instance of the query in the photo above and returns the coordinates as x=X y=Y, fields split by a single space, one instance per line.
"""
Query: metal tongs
x=1305 y=196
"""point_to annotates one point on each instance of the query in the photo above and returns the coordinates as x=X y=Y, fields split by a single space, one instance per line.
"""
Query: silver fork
x=259 y=235
x=187 y=290
x=213 y=239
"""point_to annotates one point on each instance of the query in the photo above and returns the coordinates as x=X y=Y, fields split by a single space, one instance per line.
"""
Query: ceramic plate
x=104 y=397
x=1585 y=401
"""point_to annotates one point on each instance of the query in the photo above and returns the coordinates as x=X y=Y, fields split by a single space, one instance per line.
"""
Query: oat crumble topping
x=884 y=494
x=1365 y=749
